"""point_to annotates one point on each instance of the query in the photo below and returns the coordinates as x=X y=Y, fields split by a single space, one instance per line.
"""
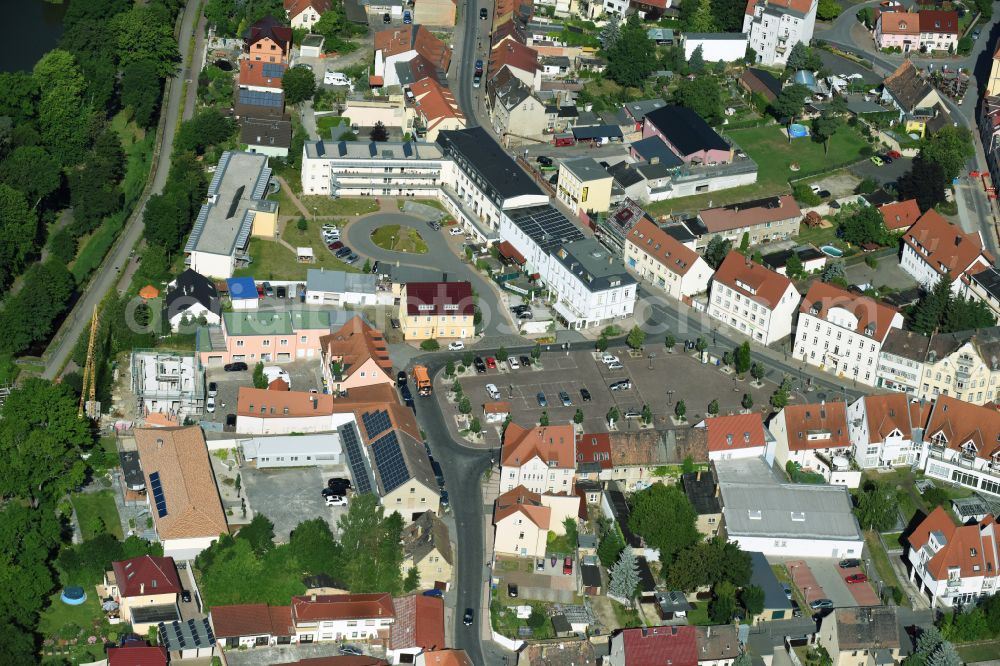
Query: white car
x=210 y=405
x=455 y=231
x=336 y=500
x=607 y=359
x=512 y=362
x=336 y=79
x=456 y=346
x=493 y=391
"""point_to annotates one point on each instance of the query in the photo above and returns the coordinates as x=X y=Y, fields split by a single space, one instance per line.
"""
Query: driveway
x=888 y=173
x=439 y=257
x=819 y=578
x=886 y=273
x=291 y=495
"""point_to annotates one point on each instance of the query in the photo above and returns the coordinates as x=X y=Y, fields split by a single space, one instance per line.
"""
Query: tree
x=713 y=408
x=744 y=242
x=610 y=546
x=793 y=265
x=687 y=465
x=611 y=32
x=647 y=414
x=696 y=63
x=42 y=441
x=670 y=342
x=412 y=580
x=924 y=182
x=613 y=415
x=572 y=533
x=475 y=427
x=742 y=360
x=877 y=507
x=833 y=272
x=543 y=420
x=624 y=575
x=260 y=534
x=18 y=228
x=790 y=101
x=757 y=371
x=717 y=250
x=379 y=132
x=465 y=405
x=863 y=224
x=28 y=539
x=680 y=409
x=941 y=311
x=29 y=316
x=635 y=338
x=702 y=20
x=602 y=344
x=825 y=126
x=723 y=603
x=64 y=119
x=707 y=563
x=536 y=619
x=703 y=96
x=827 y=10
x=365 y=529
x=700 y=345
x=747 y=401
x=456 y=388
x=803 y=57
x=467 y=359
x=330 y=24
x=141 y=91
x=449 y=369
x=33 y=171
x=207 y=128
x=633 y=57
x=536 y=351
x=259 y=380
x=950 y=147
x=728 y=16
x=142 y=34
x=780 y=396
x=663 y=516
x=578 y=416
x=502 y=354
x=753 y=600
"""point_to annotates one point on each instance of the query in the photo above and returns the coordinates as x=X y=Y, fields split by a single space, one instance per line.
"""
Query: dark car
x=235 y=367
x=823 y=194
x=525 y=315
x=886 y=159
x=268 y=289
x=343 y=252
x=564 y=399
x=332 y=492
x=483 y=14
x=338 y=481
x=213 y=389
x=543 y=160
x=479 y=67
x=282 y=292
x=542 y=402
x=444 y=498
x=585 y=394
x=336 y=245
x=375 y=267
x=525 y=361
x=186 y=596
x=433 y=593
x=512 y=590
x=469 y=614
x=518 y=309
x=351 y=650
x=480 y=364
x=404 y=392
x=850 y=563
x=386 y=18
x=438 y=472
x=401 y=378
x=230 y=421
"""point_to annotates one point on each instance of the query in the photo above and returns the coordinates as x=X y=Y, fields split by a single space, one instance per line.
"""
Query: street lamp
x=715 y=330
x=670 y=397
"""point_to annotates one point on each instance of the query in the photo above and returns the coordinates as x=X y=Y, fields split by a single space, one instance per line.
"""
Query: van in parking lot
x=608 y=359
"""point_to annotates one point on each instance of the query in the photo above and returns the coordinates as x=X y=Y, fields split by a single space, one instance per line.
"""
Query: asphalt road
x=105 y=277
x=475 y=40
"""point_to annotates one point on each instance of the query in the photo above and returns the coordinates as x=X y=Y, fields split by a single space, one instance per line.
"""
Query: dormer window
x=754 y=514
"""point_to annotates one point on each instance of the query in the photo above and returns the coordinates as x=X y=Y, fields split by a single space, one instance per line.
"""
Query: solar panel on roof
x=158 y=497
x=273 y=69
x=390 y=463
x=376 y=423
x=356 y=458
x=260 y=98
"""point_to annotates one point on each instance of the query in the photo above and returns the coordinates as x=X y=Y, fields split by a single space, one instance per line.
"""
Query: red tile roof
x=901 y=215
x=894 y=412
x=739 y=431
x=871 y=315
x=137 y=655
x=434 y=102
x=244 y=620
x=960 y=423
x=499 y=407
x=252 y=74
x=444 y=298
x=654 y=241
x=753 y=280
x=816 y=426
x=522 y=500
x=342 y=607
x=413 y=38
x=941 y=22
x=450 y=657
x=656 y=646
x=354 y=344
x=296 y=7
x=551 y=444
x=750 y=213
x=966 y=547
x=900 y=23
x=945 y=247
x=419 y=623
x=594 y=447
x=146 y=575
x=506 y=249
x=514 y=55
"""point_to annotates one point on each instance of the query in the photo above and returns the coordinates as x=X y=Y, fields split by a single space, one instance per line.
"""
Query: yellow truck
x=422 y=379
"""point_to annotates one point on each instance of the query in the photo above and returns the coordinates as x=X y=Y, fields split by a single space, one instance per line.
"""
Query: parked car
x=260 y=291
x=483 y=14
x=877 y=160
x=491 y=363
x=235 y=367
x=438 y=473
x=479 y=67
x=895 y=154
x=525 y=361
x=230 y=422
x=607 y=359
x=336 y=500
x=268 y=289
x=817 y=604
x=632 y=414
x=525 y=315
x=456 y=346
x=213 y=389
x=788 y=591
x=282 y=292
x=543 y=160
x=856 y=578
x=542 y=402
x=433 y=593
x=401 y=378
x=435 y=225
x=186 y=596
x=480 y=364
x=342 y=252
x=616 y=366
x=493 y=391
x=518 y=309
x=336 y=245
x=540 y=565
x=621 y=385
x=386 y=18
x=351 y=258
x=469 y=614
x=351 y=650
x=210 y=405
x=407 y=18
x=850 y=563
x=406 y=395
x=512 y=363
x=338 y=482
x=887 y=159
x=455 y=231
x=512 y=590
x=476 y=80
x=585 y=395
x=568 y=566
x=564 y=397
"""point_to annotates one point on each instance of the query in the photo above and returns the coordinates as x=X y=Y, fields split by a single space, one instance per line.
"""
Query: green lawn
x=312 y=237
x=978 y=652
x=273 y=261
x=627 y=617
x=324 y=123
x=390 y=238
x=433 y=203
x=773 y=154
x=699 y=614
x=329 y=207
x=96 y=509
x=881 y=561
x=63 y=623
x=819 y=237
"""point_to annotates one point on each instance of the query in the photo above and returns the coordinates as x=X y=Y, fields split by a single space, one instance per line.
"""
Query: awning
x=509 y=252
x=567 y=314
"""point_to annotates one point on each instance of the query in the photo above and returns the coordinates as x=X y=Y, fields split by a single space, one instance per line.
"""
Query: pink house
x=271 y=337
x=687 y=135
x=359 y=353
x=898 y=30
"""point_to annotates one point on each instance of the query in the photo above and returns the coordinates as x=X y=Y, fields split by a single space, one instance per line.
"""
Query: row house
x=259 y=98
x=813 y=436
x=961 y=445
x=516 y=113
x=270 y=337
x=756 y=301
x=842 y=332
x=899 y=30
x=886 y=430
x=540 y=458
x=939 y=30
x=584 y=185
x=954 y=564
x=435 y=109
x=398 y=46
x=862 y=635
x=762 y=221
x=664 y=261
x=775 y=26
x=523 y=519
x=359 y=354
x=738 y=436
x=901 y=361
x=935 y=249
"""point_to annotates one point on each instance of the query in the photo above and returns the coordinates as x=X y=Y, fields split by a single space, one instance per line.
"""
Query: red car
x=856 y=578
x=894 y=154
x=491 y=363
x=260 y=291
x=568 y=566
x=335 y=246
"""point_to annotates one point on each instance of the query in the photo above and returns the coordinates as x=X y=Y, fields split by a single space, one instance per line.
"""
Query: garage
x=215 y=361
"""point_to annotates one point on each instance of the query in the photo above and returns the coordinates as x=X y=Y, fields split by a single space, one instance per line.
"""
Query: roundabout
x=396 y=238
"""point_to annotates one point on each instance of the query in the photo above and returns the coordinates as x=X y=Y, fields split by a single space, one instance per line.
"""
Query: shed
x=243 y=293
x=672 y=604
x=598 y=133
x=305 y=255
x=312 y=46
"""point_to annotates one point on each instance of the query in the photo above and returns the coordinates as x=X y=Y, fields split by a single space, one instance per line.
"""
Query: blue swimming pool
x=832 y=251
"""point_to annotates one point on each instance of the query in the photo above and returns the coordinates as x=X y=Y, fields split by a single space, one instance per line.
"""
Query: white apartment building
x=540 y=458
x=813 y=435
x=665 y=261
x=886 y=430
x=954 y=564
x=775 y=27
x=901 y=361
x=934 y=248
x=960 y=445
x=842 y=332
x=359 y=168
x=753 y=299
x=318 y=618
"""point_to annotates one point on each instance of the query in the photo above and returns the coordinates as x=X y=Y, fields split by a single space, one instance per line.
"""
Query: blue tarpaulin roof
x=242 y=288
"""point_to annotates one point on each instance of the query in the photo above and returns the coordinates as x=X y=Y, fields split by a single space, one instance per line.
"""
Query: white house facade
x=752 y=299
x=774 y=28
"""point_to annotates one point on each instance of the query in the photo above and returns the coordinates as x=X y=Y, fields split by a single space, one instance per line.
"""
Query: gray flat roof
x=382 y=150
x=586 y=168
x=593 y=264
x=339 y=282
x=237 y=191
x=798 y=511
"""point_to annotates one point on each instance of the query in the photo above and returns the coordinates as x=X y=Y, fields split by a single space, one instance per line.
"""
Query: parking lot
x=289 y=496
x=305 y=375
x=658 y=382
x=822 y=578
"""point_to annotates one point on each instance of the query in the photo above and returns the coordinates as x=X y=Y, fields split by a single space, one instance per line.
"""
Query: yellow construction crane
x=89 y=388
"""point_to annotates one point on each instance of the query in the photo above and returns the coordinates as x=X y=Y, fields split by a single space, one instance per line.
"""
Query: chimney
x=312 y=597
x=159 y=443
x=142 y=588
x=654 y=160
x=698 y=478
x=315 y=403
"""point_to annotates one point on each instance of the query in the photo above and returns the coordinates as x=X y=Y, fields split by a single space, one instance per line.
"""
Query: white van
x=336 y=79
x=608 y=359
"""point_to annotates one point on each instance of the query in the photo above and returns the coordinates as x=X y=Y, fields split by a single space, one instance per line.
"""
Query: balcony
x=952 y=457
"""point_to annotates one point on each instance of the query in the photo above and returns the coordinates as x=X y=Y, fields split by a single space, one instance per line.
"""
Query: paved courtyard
x=305 y=375
x=290 y=496
x=887 y=273
x=822 y=578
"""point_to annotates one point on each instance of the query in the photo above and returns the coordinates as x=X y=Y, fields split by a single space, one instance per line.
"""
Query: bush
x=871 y=261
x=965 y=46
x=804 y=195
x=430 y=344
